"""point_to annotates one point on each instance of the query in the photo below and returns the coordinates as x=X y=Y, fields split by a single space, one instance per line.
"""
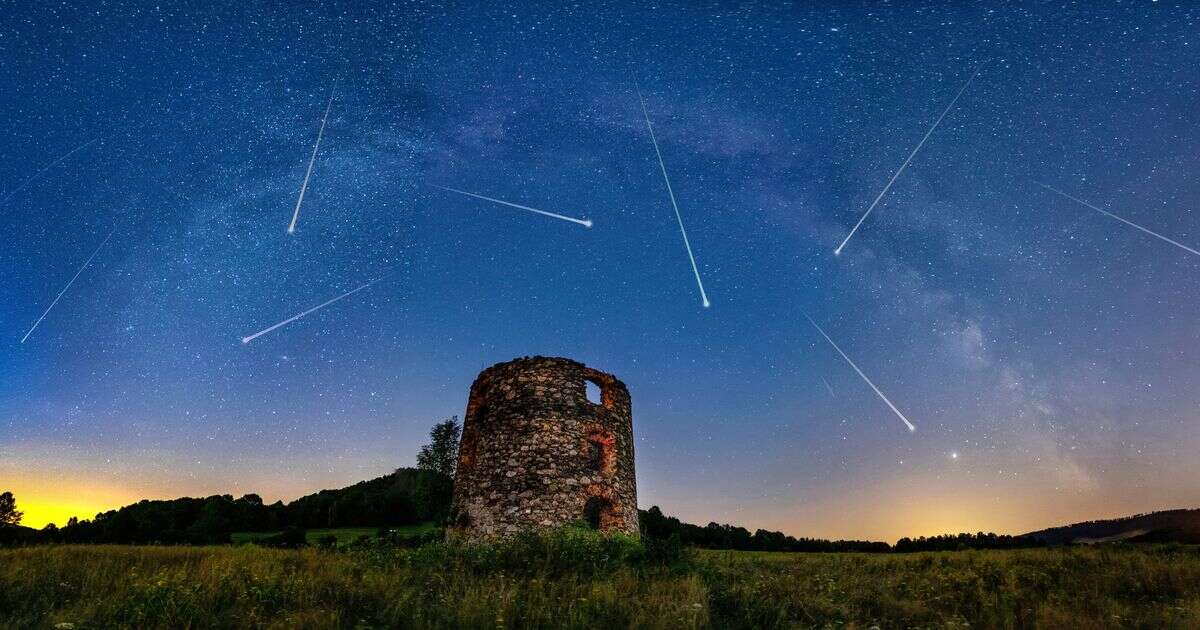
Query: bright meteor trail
x=671 y=193
x=903 y=166
x=311 y=160
x=1109 y=214
x=584 y=222
x=864 y=376
x=318 y=307
x=47 y=168
x=64 y=289
x=828 y=387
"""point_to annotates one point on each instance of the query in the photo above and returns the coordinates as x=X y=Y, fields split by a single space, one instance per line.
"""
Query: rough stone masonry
x=536 y=452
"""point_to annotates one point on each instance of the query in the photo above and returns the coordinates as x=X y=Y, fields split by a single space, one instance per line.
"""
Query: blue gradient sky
x=1051 y=348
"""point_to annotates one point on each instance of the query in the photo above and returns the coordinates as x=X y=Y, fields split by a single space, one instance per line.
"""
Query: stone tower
x=536 y=452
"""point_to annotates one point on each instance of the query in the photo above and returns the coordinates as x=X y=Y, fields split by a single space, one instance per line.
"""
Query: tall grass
x=577 y=580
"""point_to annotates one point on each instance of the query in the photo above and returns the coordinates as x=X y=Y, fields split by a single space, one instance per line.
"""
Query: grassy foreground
x=577 y=580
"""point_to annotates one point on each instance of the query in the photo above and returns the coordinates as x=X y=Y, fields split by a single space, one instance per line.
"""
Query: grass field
x=344 y=535
x=589 y=583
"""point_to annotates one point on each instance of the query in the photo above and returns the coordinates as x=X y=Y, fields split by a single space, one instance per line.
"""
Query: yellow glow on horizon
x=44 y=503
x=38 y=514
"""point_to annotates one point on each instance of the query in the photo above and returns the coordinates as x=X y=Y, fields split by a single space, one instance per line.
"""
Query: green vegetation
x=9 y=514
x=571 y=578
x=441 y=454
x=343 y=535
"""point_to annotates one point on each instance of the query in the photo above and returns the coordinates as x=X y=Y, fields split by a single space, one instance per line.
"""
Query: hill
x=1164 y=526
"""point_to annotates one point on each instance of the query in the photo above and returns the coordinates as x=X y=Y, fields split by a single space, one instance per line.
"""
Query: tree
x=9 y=514
x=441 y=454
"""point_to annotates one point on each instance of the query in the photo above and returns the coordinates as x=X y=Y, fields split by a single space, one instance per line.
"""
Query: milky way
x=1048 y=342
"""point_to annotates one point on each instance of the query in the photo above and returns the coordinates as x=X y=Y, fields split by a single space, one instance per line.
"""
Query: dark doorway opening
x=595 y=510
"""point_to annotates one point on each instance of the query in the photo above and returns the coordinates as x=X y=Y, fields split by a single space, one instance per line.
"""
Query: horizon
x=868 y=271
x=58 y=508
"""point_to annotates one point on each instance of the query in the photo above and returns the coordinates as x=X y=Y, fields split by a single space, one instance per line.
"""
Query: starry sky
x=1045 y=352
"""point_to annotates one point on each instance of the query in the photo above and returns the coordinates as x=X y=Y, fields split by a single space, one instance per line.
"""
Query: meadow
x=582 y=580
x=342 y=535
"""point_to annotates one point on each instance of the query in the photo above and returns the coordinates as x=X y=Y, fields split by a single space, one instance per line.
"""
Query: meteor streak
x=311 y=160
x=64 y=289
x=838 y=251
x=318 y=307
x=584 y=222
x=864 y=376
x=47 y=168
x=1109 y=214
x=828 y=387
x=671 y=193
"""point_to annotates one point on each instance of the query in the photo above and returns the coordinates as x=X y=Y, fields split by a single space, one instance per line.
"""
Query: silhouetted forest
x=410 y=496
x=716 y=536
x=405 y=497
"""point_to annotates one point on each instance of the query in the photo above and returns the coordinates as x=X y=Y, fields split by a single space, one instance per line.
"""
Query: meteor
x=584 y=222
x=1109 y=214
x=864 y=376
x=303 y=187
x=828 y=387
x=671 y=193
x=838 y=251
x=47 y=168
x=64 y=289
x=318 y=307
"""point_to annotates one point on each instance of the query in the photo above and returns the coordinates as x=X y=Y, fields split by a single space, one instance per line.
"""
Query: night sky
x=1045 y=352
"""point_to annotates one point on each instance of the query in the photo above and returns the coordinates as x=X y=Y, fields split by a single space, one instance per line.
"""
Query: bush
x=665 y=551
x=289 y=538
x=551 y=553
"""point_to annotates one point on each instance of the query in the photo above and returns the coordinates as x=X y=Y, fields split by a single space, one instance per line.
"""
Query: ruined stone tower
x=536 y=452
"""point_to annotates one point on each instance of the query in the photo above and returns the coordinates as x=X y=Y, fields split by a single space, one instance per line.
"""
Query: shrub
x=550 y=553
x=289 y=538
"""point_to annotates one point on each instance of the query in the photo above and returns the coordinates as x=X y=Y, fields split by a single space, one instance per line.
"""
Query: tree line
x=656 y=525
x=405 y=497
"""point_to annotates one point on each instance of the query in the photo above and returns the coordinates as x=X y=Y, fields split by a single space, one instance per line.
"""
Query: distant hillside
x=1165 y=526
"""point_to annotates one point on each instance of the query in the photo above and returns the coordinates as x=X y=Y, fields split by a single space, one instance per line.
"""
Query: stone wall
x=536 y=453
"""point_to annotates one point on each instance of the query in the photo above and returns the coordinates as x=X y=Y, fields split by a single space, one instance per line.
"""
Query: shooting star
x=838 y=251
x=671 y=193
x=584 y=222
x=303 y=187
x=318 y=307
x=1129 y=223
x=47 y=168
x=64 y=289
x=864 y=376
x=828 y=387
